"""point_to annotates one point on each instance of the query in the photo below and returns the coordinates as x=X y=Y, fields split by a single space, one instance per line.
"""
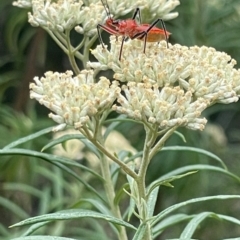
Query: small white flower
x=23 y=3
x=74 y=100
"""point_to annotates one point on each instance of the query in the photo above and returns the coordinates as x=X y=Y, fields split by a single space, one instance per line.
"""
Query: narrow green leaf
x=197 y=150
x=114 y=124
x=49 y=158
x=15 y=209
x=193 y=224
x=228 y=218
x=14 y=186
x=59 y=162
x=181 y=136
x=165 y=180
x=34 y=227
x=196 y=167
x=41 y=237
x=151 y=201
x=237 y=238
x=72 y=173
x=197 y=219
x=169 y=221
x=72 y=214
x=91 y=147
x=28 y=138
x=4 y=232
x=62 y=139
x=121 y=192
x=140 y=232
x=174 y=207
x=98 y=205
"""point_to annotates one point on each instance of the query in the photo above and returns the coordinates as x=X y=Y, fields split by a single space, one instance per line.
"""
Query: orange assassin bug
x=129 y=28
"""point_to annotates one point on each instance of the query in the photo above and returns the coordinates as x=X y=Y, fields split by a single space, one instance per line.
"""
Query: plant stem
x=71 y=54
x=110 y=192
x=149 y=141
x=148 y=152
x=98 y=141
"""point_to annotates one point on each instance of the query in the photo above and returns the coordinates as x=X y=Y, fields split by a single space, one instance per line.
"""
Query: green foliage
x=39 y=183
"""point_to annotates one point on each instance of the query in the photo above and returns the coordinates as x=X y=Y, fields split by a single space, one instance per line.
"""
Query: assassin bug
x=129 y=28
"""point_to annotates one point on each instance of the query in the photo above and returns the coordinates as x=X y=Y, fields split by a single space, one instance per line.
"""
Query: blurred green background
x=28 y=186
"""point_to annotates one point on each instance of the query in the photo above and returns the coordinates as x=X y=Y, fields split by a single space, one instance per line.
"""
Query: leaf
x=196 y=220
x=48 y=157
x=15 y=186
x=140 y=232
x=98 y=205
x=193 y=224
x=62 y=139
x=28 y=138
x=41 y=237
x=120 y=193
x=59 y=162
x=114 y=124
x=151 y=201
x=34 y=227
x=196 y=167
x=180 y=135
x=72 y=214
x=165 y=180
x=169 y=221
x=13 y=207
x=197 y=150
x=174 y=207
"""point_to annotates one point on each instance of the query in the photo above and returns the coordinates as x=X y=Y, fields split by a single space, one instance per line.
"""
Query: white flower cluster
x=168 y=107
x=23 y=3
x=154 y=8
x=63 y=15
x=160 y=9
x=74 y=100
x=170 y=85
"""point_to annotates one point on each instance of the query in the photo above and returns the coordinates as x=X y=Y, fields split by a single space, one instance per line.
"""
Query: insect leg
x=99 y=34
x=137 y=12
x=120 y=54
x=144 y=34
x=107 y=29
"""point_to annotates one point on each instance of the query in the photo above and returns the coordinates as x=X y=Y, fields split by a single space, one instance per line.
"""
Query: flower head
x=74 y=100
x=65 y=14
x=23 y=3
x=170 y=86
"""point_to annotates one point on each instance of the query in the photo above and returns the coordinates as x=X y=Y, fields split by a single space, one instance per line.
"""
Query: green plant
x=166 y=89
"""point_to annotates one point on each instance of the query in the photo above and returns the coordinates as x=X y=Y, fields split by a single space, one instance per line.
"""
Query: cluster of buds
x=74 y=100
x=170 y=86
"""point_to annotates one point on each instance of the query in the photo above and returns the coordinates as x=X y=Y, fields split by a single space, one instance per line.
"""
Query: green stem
x=60 y=42
x=149 y=151
x=110 y=192
x=149 y=141
x=97 y=140
x=102 y=149
x=141 y=184
x=161 y=142
x=71 y=54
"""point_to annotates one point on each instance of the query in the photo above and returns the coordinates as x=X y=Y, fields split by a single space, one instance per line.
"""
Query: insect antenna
x=107 y=9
